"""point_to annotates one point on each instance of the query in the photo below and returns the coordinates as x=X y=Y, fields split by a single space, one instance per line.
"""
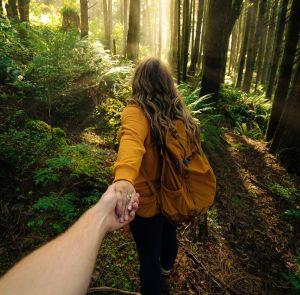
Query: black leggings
x=156 y=242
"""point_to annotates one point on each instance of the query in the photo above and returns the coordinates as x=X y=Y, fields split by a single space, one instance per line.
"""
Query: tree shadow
x=252 y=218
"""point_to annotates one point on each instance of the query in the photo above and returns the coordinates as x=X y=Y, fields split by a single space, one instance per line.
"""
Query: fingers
x=129 y=201
x=119 y=204
x=123 y=208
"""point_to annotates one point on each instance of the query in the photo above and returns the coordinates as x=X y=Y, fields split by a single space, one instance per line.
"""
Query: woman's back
x=137 y=149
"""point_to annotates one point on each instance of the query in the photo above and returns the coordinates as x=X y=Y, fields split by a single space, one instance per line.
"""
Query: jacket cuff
x=125 y=173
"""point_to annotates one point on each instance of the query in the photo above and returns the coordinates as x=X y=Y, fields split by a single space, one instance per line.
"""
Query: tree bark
x=193 y=14
x=251 y=51
x=84 y=18
x=107 y=18
x=23 y=7
x=196 y=48
x=221 y=18
x=261 y=46
x=125 y=26
x=12 y=10
x=232 y=48
x=286 y=68
x=244 y=46
x=185 y=38
x=277 y=49
x=173 y=34
x=160 y=29
x=286 y=141
x=268 y=50
x=133 y=37
x=240 y=35
x=178 y=2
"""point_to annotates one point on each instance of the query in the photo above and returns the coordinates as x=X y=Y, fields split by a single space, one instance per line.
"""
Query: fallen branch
x=214 y=278
x=112 y=290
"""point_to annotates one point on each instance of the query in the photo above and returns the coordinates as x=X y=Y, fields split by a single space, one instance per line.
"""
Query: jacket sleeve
x=134 y=131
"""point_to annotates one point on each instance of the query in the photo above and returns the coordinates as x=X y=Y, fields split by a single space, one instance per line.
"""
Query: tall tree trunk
x=185 y=38
x=12 y=10
x=178 y=41
x=160 y=29
x=286 y=68
x=193 y=9
x=232 y=47
x=221 y=18
x=107 y=23
x=262 y=40
x=270 y=36
x=125 y=26
x=173 y=33
x=196 y=48
x=277 y=49
x=84 y=18
x=133 y=37
x=240 y=35
x=109 y=20
x=235 y=11
x=204 y=24
x=1 y=8
x=286 y=141
x=244 y=45
x=23 y=7
x=251 y=52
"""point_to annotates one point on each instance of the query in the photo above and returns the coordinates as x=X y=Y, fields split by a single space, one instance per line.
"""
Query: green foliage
x=205 y=113
x=56 y=212
x=212 y=217
x=293 y=213
x=79 y=161
x=254 y=132
x=288 y=194
x=294 y=277
x=249 y=113
x=22 y=149
x=63 y=205
x=78 y=176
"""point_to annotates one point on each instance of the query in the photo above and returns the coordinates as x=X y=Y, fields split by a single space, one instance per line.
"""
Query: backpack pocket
x=176 y=205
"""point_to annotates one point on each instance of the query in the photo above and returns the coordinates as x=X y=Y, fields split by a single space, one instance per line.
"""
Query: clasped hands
x=118 y=205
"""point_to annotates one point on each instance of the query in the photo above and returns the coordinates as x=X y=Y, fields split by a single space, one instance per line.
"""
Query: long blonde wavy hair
x=153 y=89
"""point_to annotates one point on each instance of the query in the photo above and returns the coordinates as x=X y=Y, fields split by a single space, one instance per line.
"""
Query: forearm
x=63 y=266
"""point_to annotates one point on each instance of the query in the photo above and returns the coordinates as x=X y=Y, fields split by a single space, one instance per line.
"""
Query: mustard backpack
x=188 y=184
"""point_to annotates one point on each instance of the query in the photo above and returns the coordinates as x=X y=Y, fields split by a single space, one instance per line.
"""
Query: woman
x=151 y=112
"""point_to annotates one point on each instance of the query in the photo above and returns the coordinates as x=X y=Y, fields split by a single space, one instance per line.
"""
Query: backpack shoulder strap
x=153 y=189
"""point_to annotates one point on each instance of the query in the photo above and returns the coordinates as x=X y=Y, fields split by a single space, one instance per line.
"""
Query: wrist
x=99 y=220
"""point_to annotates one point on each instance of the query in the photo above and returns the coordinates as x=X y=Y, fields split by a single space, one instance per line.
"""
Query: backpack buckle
x=186 y=161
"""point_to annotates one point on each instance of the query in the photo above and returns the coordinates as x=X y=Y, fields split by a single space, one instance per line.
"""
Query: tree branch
x=112 y=290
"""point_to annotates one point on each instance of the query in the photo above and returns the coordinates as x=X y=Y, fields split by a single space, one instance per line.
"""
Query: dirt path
x=250 y=243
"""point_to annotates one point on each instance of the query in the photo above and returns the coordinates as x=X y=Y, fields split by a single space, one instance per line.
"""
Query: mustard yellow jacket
x=135 y=150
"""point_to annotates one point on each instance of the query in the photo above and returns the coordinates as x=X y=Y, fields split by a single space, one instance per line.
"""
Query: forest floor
x=250 y=245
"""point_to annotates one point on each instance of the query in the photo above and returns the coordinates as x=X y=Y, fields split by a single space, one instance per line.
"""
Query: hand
x=106 y=208
x=124 y=192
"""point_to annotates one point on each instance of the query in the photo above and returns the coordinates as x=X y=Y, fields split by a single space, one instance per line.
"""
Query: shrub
x=23 y=149
x=249 y=113
x=76 y=177
x=294 y=277
x=205 y=113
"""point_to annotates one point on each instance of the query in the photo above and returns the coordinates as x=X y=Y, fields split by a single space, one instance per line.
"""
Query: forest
x=65 y=76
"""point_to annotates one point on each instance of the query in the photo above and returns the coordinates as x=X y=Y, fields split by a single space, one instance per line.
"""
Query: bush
x=249 y=113
x=76 y=177
x=205 y=113
x=23 y=149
